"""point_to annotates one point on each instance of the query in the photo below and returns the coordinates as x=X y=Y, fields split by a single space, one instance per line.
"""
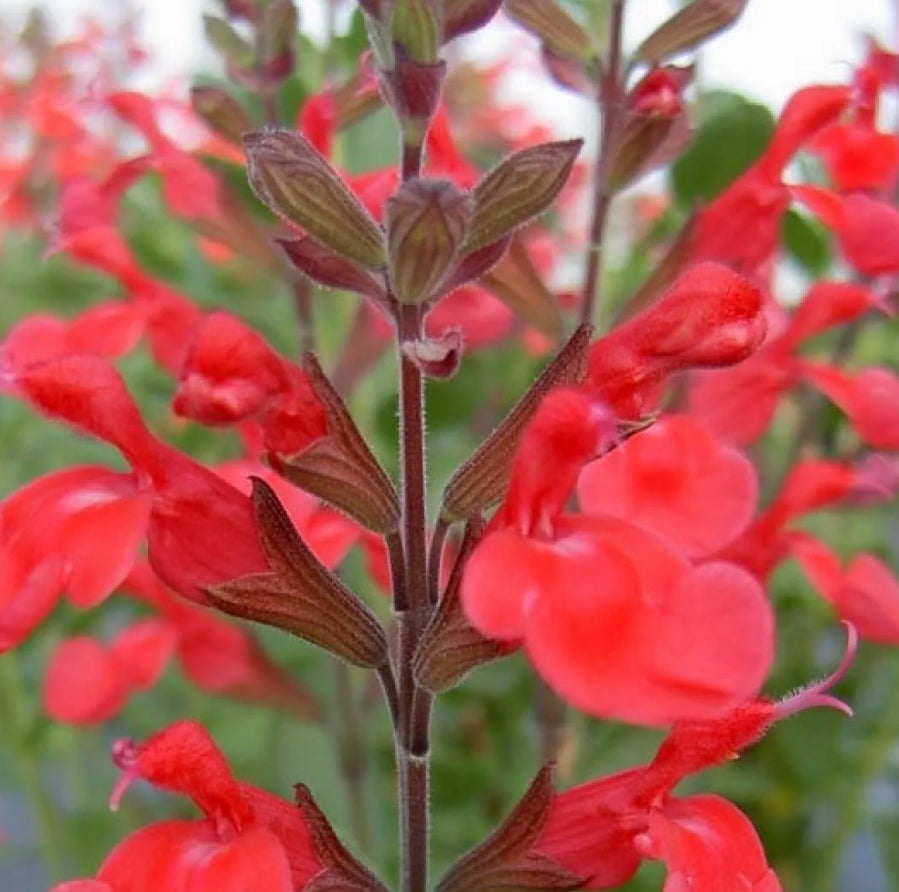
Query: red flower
x=76 y=531
x=247 y=840
x=709 y=317
x=739 y=403
x=677 y=481
x=602 y=829
x=865 y=594
x=613 y=618
x=87 y=682
x=866 y=228
x=741 y=227
x=189 y=502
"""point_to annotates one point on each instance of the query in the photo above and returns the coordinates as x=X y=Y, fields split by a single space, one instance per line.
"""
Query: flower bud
x=427 y=221
x=417 y=29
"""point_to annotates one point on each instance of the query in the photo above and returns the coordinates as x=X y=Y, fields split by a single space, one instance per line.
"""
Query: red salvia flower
x=612 y=617
x=741 y=227
x=708 y=317
x=739 y=403
x=87 y=682
x=247 y=840
x=601 y=830
x=677 y=481
x=76 y=531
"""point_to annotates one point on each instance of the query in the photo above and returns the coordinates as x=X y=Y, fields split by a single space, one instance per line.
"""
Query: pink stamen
x=124 y=755
x=816 y=694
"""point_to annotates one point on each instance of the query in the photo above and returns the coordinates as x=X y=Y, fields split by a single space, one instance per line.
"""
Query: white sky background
x=777 y=46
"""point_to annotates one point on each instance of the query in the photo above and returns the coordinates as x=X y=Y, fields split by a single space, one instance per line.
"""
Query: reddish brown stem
x=609 y=95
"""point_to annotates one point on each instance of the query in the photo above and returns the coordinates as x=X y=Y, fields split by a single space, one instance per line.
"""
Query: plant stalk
x=609 y=93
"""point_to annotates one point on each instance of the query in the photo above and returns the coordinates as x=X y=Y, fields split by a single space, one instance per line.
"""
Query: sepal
x=300 y=595
x=689 y=27
x=450 y=647
x=506 y=860
x=516 y=282
x=339 y=467
x=439 y=357
x=518 y=189
x=297 y=183
x=342 y=872
x=324 y=267
x=558 y=31
x=464 y=16
x=221 y=111
x=481 y=482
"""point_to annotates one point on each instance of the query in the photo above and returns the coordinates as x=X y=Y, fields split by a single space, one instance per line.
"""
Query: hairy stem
x=413 y=608
x=608 y=100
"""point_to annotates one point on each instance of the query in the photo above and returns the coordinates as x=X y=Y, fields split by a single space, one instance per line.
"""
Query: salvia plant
x=590 y=525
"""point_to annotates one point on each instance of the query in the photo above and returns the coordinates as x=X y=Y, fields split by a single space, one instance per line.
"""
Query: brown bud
x=417 y=28
x=413 y=90
x=505 y=860
x=689 y=27
x=236 y=51
x=356 y=98
x=321 y=265
x=463 y=16
x=437 y=357
x=516 y=282
x=427 y=221
x=221 y=111
x=298 y=184
x=449 y=647
x=300 y=595
x=483 y=479
x=557 y=30
x=339 y=467
x=518 y=188
x=341 y=871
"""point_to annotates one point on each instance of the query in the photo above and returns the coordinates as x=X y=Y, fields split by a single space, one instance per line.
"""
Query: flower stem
x=413 y=609
x=608 y=100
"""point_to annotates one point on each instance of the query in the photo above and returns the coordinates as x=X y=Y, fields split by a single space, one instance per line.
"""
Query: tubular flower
x=602 y=830
x=741 y=227
x=739 y=403
x=247 y=840
x=709 y=317
x=189 y=502
x=614 y=618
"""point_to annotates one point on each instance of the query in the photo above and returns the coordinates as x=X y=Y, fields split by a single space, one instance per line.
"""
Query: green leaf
x=807 y=242
x=732 y=134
